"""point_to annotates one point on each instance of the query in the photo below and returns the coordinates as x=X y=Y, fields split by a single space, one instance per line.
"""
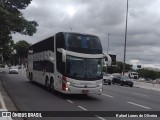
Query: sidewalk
x=6 y=104
x=2 y=103
x=150 y=86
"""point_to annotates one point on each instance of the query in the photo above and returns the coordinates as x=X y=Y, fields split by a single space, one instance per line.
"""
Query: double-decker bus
x=67 y=62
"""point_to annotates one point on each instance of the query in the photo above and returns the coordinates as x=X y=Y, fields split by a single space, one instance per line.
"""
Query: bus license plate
x=85 y=91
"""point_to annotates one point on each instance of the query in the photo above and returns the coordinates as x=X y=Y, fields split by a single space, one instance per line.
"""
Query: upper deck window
x=83 y=41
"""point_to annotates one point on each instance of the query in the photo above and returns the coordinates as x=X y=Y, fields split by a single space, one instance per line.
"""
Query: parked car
x=13 y=70
x=106 y=79
x=122 y=80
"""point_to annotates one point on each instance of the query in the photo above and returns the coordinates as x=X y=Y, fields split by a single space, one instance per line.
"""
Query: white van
x=133 y=75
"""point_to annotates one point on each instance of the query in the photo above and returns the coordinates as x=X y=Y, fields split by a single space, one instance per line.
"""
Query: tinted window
x=43 y=66
x=45 y=45
x=83 y=43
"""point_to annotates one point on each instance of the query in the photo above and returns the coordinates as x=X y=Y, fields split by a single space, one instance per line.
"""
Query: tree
x=7 y=51
x=21 y=48
x=145 y=73
x=12 y=20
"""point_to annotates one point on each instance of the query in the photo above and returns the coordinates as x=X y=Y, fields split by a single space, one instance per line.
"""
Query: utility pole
x=107 y=52
x=108 y=43
x=125 y=40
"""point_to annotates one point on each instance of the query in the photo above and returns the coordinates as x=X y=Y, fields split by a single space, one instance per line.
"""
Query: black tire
x=121 y=84
x=31 y=78
x=109 y=83
x=47 y=85
x=113 y=82
x=131 y=85
x=52 y=86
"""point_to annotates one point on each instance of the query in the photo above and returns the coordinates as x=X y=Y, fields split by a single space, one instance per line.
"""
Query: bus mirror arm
x=63 y=54
x=109 y=62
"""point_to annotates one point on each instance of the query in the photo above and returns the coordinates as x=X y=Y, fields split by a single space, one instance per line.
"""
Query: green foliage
x=2 y=65
x=14 y=59
x=8 y=51
x=21 y=48
x=15 y=6
x=145 y=73
x=12 y=20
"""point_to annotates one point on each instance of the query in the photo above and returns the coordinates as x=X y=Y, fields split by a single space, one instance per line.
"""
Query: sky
x=102 y=17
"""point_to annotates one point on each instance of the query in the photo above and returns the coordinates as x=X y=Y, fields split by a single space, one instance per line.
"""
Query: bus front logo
x=85 y=86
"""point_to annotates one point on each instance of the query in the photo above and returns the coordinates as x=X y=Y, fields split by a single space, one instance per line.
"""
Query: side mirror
x=61 y=50
x=109 y=62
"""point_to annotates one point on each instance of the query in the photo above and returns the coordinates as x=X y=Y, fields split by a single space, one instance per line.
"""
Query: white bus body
x=52 y=64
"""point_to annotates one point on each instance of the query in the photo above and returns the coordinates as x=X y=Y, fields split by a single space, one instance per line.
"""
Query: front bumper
x=75 y=90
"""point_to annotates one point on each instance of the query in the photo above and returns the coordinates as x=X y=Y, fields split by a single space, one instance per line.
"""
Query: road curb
x=8 y=103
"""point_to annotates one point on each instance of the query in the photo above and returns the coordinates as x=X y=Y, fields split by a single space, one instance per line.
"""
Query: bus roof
x=79 y=33
x=64 y=33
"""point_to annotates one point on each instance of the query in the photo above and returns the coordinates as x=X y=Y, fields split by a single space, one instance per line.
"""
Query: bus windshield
x=84 y=68
x=81 y=43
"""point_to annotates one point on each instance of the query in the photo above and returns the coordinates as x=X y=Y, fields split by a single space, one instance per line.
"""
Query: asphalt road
x=34 y=97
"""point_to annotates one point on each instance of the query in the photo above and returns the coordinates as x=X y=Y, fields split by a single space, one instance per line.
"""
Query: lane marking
x=99 y=117
x=141 y=94
x=139 y=105
x=82 y=108
x=107 y=95
x=70 y=101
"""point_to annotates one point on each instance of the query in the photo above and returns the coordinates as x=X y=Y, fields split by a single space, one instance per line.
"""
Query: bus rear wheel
x=47 y=84
x=52 y=86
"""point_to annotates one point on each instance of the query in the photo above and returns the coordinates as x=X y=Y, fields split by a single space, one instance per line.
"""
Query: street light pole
x=125 y=40
x=108 y=43
x=107 y=52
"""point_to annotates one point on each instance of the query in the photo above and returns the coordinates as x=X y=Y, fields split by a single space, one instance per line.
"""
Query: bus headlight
x=100 y=91
x=67 y=89
x=99 y=84
x=68 y=83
